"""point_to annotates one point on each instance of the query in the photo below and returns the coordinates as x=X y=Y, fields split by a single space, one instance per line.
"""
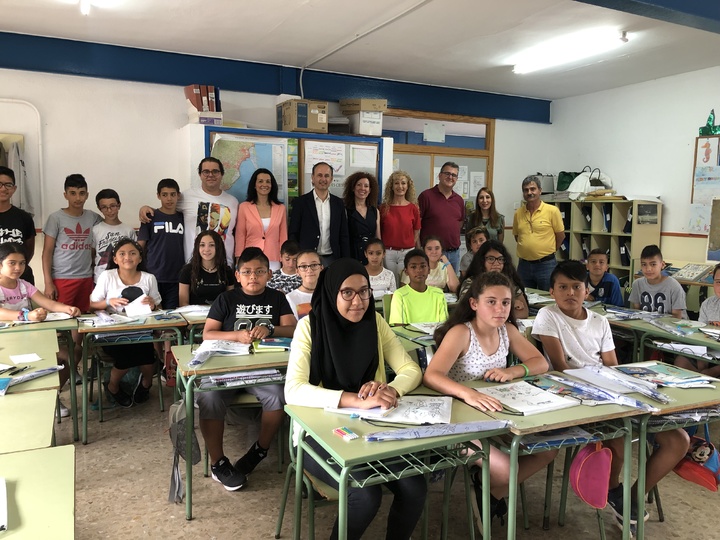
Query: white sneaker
x=64 y=411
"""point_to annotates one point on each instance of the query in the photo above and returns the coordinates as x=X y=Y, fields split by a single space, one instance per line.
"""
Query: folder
x=211 y=98
x=565 y=213
x=218 y=105
x=628 y=224
x=625 y=253
x=585 y=242
x=607 y=217
x=565 y=247
x=204 y=97
x=192 y=93
x=587 y=214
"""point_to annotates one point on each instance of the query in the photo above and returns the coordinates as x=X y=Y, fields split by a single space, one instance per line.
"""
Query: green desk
x=581 y=415
x=91 y=333
x=195 y=322
x=41 y=493
x=318 y=424
x=27 y=420
x=215 y=365
x=44 y=344
x=683 y=400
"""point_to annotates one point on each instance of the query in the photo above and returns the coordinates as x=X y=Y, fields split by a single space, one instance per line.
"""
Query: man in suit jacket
x=318 y=219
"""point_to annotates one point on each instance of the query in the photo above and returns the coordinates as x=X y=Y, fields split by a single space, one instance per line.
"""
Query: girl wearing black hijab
x=337 y=359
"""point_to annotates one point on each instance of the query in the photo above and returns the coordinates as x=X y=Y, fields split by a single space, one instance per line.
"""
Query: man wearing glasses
x=539 y=231
x=16 y=225
x=206 y=207
x=442 y=213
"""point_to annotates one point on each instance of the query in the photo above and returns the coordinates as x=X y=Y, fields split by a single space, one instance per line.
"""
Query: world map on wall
x=241 y=158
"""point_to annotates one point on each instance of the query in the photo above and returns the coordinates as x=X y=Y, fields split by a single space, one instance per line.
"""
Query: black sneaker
x=141 y=394
x=120 y=397
x=247 y=463
x=225 y=473
x=498 y=507
x=615 y=500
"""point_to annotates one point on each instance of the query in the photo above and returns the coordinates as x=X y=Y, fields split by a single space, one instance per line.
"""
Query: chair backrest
x=386 y=301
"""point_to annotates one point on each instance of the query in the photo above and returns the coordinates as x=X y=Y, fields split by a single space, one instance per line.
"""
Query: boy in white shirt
x=308 y=267
x=573 y=336
x=106 y=233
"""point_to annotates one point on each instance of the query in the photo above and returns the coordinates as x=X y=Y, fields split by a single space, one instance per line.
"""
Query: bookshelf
x=601 y=223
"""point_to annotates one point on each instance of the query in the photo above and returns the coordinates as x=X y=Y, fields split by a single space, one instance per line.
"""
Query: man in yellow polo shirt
x=538 y=229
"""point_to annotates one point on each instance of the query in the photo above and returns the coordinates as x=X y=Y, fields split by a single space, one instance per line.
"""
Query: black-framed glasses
x=449 y=174
x=349 y=294
x=7 y=185
x=208 y=172
x=306 y=267
x=109 y=207
x=258 y=272
x=493 y=260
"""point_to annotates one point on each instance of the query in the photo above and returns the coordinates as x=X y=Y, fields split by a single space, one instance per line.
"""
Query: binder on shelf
x=204 y=97
x=587 y=214
x=607 y=217
x=585 y=242
x=565 y=247
x=628 y=224
x=192 y=93
x=565 y=213
x=211 y=98
x=218 y=105
x=625 y=253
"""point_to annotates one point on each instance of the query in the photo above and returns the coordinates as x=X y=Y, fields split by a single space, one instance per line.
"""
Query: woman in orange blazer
x=262 y=220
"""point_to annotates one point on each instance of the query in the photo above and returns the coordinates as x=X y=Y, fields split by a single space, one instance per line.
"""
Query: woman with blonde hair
x=399 y=220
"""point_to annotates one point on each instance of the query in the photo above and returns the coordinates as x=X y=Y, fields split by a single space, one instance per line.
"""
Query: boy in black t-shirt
x=163 y=242
x=248 y=313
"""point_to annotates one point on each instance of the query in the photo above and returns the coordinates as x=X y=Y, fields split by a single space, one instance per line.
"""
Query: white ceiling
x=454 y=43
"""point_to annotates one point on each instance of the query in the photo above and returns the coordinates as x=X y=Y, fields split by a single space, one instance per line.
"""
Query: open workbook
x=414 y=410
x=524 y=398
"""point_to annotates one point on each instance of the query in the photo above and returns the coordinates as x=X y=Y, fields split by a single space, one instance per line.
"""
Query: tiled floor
x=123 y=478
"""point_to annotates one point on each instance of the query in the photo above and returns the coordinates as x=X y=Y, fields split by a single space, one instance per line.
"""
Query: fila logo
x=168 y=227
x=78 y=235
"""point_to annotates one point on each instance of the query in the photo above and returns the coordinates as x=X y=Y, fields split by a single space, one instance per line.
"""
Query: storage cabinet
x=620 y=228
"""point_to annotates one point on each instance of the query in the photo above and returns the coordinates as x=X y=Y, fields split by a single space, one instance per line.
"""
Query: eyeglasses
x=208 y=172
x=493 y=260
x=7 y=185
x=109 y=207
x=306 y=267
x=449 y=174
x=248 y=273
x=349 y=294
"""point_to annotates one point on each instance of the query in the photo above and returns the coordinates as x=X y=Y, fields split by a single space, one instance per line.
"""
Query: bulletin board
x=705 y=183
x=345 y=158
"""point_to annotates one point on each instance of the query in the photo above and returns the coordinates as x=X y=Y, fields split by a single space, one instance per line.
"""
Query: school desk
x=447 y=452
x=65 y=328
x=602 y=420
x=190 y=378
x=92 y=337
x=40 y=492
x=683 y=399
x=195 y=324
x=41 y=342
x=27 y=420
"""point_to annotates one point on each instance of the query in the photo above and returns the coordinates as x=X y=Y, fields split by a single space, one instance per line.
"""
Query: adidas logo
x=78 y=235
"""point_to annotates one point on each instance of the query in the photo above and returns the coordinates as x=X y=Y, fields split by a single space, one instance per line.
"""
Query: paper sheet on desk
x=24 y=358
x=136 y=308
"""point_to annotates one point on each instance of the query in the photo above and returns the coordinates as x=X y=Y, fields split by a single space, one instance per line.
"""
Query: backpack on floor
x=177 y=436
x=701 y=464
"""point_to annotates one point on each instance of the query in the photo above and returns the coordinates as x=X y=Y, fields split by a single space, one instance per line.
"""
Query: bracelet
x=24 y=314
x=527 y=371
x=445 y=265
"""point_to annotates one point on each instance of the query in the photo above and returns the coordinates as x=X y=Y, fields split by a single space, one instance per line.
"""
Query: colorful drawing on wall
x=699 y=222
x=713 y=248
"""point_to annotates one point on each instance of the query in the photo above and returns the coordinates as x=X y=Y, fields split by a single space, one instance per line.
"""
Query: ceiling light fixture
x=568 y=49
x=85 y=7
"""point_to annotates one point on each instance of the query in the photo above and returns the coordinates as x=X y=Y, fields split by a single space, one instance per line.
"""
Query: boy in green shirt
x=417 y=301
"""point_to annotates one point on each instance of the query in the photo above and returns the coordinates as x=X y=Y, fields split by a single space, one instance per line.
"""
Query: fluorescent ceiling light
x=85 y=7
x=569 y=48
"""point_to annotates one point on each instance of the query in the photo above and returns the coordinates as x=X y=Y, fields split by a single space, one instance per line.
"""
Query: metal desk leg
x=73 y=382
x=487 y=525
x=468 y=505
x=342 y=504
x=642 y=461
x=189 y=428
x=85 y=347
x=548 y=498
x=299 y=467
x=627 y=478
x=512 y=494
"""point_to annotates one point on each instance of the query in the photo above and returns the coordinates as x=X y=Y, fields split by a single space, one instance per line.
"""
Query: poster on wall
x=241 y=156
x=706 y=184
x=706 y=154
x=713 y=247
x=331 y=153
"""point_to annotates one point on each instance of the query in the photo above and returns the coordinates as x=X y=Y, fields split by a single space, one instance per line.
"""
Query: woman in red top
x=399 y=220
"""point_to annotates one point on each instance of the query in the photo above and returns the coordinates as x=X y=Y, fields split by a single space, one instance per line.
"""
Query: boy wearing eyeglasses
x=308 y=267
x=106 y=233
x=245 y=314
x=417 y=301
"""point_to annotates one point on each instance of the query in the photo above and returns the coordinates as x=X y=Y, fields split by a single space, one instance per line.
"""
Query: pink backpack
x=590 y=474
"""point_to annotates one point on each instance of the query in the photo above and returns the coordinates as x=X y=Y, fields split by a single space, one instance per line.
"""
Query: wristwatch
x=270 y=326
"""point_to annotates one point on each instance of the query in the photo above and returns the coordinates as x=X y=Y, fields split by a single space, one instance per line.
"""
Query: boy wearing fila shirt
x=162 y=240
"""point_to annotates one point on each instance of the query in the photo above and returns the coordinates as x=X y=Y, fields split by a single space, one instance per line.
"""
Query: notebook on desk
x=525 y=399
